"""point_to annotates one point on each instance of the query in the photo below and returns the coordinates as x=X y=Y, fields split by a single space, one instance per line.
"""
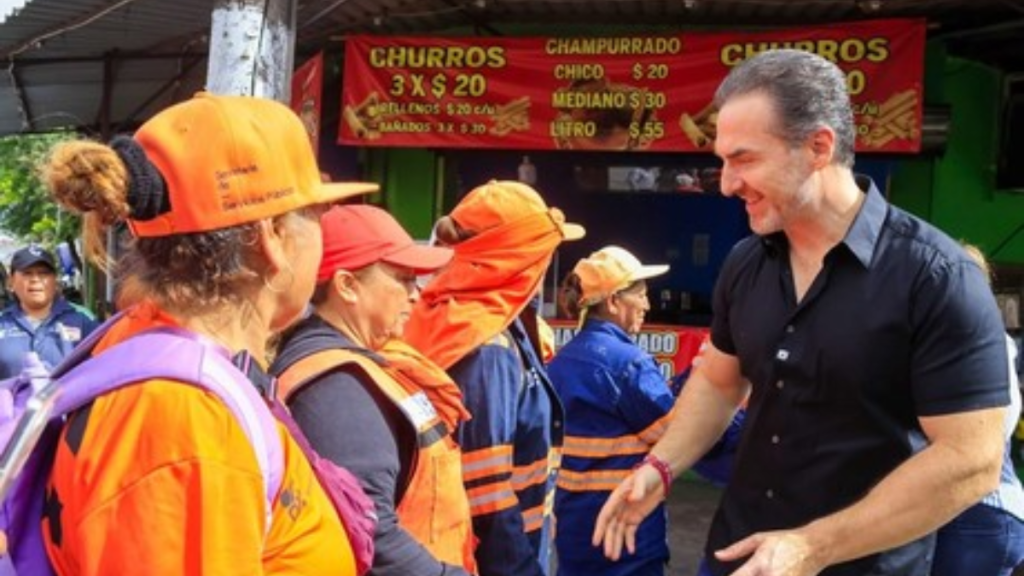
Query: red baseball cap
x=358 y=235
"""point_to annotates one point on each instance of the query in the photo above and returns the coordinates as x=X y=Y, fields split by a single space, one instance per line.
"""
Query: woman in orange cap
x=475 y=319
x=223 y=198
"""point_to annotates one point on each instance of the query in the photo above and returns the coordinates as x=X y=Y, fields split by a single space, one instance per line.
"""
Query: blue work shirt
x=617 y=404
x=53 y=339
x=510 y=452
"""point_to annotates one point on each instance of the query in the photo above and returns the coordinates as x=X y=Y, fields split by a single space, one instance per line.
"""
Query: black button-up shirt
x=898 y=324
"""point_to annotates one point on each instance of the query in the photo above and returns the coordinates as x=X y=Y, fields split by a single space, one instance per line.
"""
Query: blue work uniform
x=617 y=406
x=52 y=339
x=511 y=449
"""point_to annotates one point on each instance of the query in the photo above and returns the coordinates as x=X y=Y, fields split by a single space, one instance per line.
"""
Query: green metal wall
x=409 y=186
x=957 y=190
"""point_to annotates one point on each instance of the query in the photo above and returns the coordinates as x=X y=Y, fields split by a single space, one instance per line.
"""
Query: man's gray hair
x=807 y=91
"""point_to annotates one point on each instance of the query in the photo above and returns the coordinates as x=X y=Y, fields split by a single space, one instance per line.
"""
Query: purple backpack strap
x=192 y=360
x=170 y=354
x=357 y=512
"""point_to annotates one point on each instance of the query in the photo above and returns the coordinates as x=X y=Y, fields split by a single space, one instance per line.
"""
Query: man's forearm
x=701 y=415
x=918 y=497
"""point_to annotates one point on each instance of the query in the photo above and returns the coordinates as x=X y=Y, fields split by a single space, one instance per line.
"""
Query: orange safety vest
x=434 y=508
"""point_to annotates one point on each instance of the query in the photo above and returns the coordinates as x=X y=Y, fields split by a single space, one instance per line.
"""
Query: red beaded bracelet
x=661 y=467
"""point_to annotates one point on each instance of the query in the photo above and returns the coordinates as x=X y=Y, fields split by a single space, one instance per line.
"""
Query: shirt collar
x=58 y=307
x=775 y=244
x=608 y=327
x=861 y=238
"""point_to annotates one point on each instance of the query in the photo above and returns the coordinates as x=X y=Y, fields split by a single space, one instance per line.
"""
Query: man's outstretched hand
x=626 y=508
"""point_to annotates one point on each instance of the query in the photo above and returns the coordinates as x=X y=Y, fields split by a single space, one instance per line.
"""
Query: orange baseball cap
x=500 y=202
x=609 y=270
x=359 y=235
x=229 y=160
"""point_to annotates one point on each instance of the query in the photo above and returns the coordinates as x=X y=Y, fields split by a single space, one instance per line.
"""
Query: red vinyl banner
x=306 y=100
x=609 y=93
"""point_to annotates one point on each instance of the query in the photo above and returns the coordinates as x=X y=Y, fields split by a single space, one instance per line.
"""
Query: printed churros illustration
x=513 y=116
x=700 y=128
x=896 y=118
x=363 y=118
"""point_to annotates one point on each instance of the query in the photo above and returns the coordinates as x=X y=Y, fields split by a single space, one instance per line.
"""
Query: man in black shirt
x=868 y=342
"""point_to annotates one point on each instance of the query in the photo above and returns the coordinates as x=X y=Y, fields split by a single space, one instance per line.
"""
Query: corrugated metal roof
x=76 y=28
x=66 y=57
x=61 y=56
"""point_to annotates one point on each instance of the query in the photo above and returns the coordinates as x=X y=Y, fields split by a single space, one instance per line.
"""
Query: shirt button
x=782 y=355
x=557 y=424
x=769 y=493
x=790 y=329
x=775 y=439
x=780 y=384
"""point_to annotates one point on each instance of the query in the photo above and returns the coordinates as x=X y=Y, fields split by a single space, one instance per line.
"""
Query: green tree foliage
x=26 y=210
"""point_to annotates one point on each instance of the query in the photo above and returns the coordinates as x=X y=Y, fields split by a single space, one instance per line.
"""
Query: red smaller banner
x=307 y=87
x=673 y=347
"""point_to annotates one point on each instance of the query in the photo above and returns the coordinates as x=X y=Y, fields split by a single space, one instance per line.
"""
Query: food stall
x=618 y=132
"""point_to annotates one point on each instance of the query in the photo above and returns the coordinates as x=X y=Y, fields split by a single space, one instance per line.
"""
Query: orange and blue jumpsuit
x=510 y=452
x=618 y=405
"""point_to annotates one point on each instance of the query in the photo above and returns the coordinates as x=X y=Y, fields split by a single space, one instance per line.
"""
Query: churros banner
x=609 y=93
x=307 y=85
